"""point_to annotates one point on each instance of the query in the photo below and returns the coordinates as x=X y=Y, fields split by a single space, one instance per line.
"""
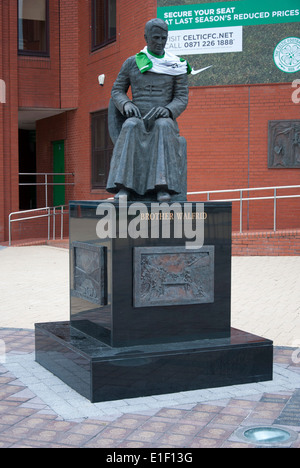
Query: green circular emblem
x=287 y=55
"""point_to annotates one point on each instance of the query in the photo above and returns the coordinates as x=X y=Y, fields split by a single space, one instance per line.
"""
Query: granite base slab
x=100 y=372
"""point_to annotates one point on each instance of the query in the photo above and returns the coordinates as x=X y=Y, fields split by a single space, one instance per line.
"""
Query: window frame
x=36 y=53
x=107 y=40
x=106 y=150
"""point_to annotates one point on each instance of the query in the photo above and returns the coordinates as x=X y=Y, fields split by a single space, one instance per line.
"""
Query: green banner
x=235 y=42
x=240 y=13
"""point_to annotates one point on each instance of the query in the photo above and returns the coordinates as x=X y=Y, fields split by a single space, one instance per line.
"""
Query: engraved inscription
x=284 y=144
x=173 y=276
x=89 y=272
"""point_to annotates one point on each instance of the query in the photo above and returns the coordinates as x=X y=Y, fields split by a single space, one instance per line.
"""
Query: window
x=103 y=23
x=102 y=148
x=33 y=27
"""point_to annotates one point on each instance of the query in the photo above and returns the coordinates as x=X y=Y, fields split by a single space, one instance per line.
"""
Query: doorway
x=27 y=165
x=59 y=168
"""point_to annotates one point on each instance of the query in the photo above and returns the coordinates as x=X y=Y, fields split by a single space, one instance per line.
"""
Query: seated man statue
x=149 y=157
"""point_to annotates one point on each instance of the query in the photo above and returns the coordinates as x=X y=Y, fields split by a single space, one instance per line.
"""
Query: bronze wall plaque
x=173 y=276
x=89 y=273
x=284 y=144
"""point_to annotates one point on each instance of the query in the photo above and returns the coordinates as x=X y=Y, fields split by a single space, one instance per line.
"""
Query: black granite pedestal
x=150 y=308
x=100 y=372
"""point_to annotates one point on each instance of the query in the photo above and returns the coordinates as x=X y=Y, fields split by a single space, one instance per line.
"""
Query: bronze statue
x=149 y=158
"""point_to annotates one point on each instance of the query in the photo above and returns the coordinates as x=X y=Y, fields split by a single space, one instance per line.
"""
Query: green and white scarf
x=167 y=64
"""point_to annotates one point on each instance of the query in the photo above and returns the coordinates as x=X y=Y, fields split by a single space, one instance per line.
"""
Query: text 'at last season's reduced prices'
x=213 y=15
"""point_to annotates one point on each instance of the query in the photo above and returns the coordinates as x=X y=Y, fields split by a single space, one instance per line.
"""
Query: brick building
x=53 y=112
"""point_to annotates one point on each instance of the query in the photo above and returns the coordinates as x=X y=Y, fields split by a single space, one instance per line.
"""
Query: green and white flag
x=168 y=64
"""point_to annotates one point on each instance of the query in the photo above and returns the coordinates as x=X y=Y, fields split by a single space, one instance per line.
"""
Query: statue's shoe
x=122 y=195
x=163 y=196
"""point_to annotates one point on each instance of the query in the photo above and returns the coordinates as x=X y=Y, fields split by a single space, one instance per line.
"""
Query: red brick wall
x=69 y=56
x=227 y=133
x=9 y=194
x=266 y=243
x=52 y=82
x=39 y=77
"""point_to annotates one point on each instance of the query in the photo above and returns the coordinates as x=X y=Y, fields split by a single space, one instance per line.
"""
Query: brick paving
x=39 y=411
x=28 y=421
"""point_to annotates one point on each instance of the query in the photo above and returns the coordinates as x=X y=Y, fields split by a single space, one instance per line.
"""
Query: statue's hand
x=131 y=110
x=162 y=112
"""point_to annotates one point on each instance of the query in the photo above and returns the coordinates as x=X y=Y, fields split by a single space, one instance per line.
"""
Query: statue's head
x=156 y=35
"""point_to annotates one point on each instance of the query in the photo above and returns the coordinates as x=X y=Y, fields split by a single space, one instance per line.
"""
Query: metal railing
x=60 y=210
x=46 y=182
x=242 y=199
x=48 y=213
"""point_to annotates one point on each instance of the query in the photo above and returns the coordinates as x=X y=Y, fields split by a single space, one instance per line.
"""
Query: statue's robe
x=149 y=157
